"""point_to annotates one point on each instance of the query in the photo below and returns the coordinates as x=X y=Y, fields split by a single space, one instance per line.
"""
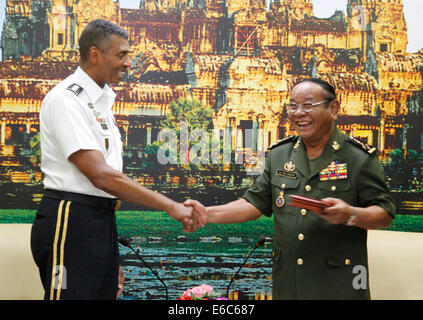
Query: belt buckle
x=117 y=205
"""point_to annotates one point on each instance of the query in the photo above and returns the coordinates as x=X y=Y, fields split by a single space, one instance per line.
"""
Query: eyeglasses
x=307 y=106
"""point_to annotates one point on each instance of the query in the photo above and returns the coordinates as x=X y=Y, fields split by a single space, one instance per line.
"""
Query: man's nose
x=300 y=110
x=127 y=62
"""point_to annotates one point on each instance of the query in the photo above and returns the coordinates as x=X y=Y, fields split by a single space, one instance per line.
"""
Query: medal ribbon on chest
x=98 y=118
x=335 y=171
x=280 y=201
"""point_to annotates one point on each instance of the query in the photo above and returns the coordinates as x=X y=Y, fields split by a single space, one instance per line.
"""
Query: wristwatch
x=352 y=220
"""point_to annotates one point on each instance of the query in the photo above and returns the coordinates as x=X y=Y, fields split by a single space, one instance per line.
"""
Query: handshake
x=192 y=215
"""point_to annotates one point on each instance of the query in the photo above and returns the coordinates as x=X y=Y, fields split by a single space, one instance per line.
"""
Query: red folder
x=307 y=203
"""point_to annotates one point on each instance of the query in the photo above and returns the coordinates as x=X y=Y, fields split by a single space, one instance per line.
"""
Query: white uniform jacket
x=77 y=115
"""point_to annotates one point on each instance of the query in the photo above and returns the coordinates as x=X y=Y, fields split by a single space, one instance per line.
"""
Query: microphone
x=125 y=242
x=259 y=243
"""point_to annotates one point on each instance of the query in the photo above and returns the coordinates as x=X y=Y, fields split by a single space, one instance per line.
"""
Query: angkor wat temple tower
x=25 y=30
x=294 y=9
x=67 y=19
x=240 y=57
x=382 y=22
x=53 y=27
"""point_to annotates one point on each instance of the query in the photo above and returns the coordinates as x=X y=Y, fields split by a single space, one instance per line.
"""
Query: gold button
x=300 y=261
x=300 y=236
x=333 y=188
x=347 y=262
x=303 y=212
x=308 y=188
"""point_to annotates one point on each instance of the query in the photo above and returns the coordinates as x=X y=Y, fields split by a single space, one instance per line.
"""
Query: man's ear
x=334 y=108
x=94 y=55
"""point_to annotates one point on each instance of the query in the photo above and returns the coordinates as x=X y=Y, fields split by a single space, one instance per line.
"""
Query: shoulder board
x=364 y=146
x=281 y=141
x=75 y=88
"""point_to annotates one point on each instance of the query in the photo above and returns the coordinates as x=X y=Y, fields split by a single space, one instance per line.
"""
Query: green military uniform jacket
x=313 y=259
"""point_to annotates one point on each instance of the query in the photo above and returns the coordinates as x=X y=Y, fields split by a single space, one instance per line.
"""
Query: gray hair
x=97 y=34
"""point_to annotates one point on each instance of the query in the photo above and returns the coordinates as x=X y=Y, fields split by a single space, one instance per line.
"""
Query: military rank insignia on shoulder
x=75 y=88
x=282 y=141
x=364 y=146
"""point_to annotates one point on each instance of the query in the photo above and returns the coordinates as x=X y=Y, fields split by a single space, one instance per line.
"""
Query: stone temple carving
x=239 y=57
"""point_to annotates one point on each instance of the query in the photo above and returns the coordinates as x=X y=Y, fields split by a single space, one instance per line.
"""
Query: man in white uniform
x=74 y=239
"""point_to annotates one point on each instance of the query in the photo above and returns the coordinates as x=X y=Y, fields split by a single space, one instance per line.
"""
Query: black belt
x=107 y=203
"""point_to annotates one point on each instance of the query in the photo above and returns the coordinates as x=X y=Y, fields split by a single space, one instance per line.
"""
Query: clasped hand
x=191 y=217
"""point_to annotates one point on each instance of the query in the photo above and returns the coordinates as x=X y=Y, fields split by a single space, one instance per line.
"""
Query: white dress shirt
x=77 y=120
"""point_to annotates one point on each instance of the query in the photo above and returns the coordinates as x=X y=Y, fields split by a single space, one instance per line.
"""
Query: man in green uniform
x=316 y=255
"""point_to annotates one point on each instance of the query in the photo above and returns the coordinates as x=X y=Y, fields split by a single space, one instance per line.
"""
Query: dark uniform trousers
x=76 y=250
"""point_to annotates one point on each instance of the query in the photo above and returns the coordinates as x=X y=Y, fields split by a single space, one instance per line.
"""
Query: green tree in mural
x=190 y=121
x=35 y=145
x=404 y=173
x=189 y=110
x=412 y=169
x=150 y=156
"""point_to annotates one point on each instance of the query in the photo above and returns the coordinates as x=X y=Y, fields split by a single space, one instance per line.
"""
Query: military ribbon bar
x=335 y=171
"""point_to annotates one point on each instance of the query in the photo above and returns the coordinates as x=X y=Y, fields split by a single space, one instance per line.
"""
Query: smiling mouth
x=121 y=73
x=303 y=124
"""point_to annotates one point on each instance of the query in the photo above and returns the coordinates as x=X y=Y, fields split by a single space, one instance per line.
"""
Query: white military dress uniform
x=77 y=115
x=74 y=237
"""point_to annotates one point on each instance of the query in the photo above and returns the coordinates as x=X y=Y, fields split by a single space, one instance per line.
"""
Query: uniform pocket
x=334 y=187
x=281 y=189
x=344 y=260
x=339 y=261
x=278 y=182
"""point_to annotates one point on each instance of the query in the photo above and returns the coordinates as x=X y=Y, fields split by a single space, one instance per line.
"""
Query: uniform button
x=347 y=262
x=303 y=212
x=300 y=261
x=308 y=188
x=333 y=188
x=300 y=236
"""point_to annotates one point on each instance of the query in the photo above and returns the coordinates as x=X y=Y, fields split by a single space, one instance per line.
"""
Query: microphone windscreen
x=124 y=241
x=261 y=241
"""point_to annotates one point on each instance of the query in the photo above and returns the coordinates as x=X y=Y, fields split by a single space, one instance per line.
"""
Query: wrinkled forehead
x=307 y=91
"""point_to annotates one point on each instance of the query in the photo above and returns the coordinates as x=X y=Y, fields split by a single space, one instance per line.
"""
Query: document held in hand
x=307 y=203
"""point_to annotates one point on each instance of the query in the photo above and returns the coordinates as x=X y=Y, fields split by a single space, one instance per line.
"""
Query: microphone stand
x=258 y=244
x=126 y=243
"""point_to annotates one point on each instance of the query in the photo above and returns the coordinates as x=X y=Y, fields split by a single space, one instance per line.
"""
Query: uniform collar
x=92 y=89
x=329 y=153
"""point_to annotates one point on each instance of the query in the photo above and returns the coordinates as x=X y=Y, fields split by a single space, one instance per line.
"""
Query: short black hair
x=329 y=90
x=97 y=34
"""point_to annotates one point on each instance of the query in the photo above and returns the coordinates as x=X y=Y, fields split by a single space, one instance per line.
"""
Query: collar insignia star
x=335 y=146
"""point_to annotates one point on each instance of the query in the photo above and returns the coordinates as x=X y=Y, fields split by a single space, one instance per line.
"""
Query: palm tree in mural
x=191 y=121
x=185 y=116
x=189 y=110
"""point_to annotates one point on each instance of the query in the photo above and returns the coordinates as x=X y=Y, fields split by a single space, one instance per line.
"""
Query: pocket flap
x=334 y=185
x=339 y=261
x=289 y=183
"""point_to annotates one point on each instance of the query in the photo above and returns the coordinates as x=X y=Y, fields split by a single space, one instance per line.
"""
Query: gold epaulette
x=77 y=89
x=364 y=146
x=281 y=141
